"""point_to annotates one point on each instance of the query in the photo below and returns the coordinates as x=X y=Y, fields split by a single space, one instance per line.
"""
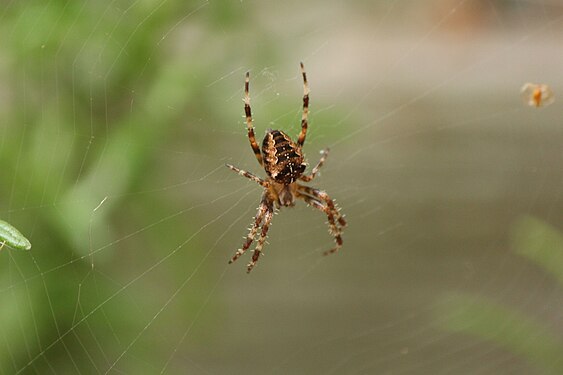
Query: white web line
x=81 y=316
x=185 y=335
x=437 y=86
x=423 y=330
x=184 y=283
x=132 y=234
x=119 y=291
x=182 y=20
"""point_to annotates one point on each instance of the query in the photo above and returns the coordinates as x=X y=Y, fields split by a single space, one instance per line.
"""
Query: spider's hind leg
x=262 y=239
x=262 y=219
x=321 y=201
x=252 y=233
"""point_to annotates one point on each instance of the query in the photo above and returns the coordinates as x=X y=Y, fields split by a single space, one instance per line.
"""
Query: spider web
x=117 y=118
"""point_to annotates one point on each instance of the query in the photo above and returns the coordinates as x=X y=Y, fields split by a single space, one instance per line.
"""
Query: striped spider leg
x=321 y=201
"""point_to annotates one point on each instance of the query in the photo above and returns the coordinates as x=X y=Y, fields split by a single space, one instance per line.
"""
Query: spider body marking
x=284 y=163
x=283 y=159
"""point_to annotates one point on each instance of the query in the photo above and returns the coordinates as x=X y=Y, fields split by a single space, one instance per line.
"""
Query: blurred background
x=116 y=120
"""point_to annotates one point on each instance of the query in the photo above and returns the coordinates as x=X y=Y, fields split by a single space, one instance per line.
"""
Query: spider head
x=286 y=195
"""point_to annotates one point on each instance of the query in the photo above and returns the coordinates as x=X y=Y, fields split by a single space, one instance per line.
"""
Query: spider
x=284 y=163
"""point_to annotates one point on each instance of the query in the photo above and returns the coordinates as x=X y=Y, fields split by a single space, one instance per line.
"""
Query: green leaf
x=540 y=243
x=12 y=237
x=505 y=327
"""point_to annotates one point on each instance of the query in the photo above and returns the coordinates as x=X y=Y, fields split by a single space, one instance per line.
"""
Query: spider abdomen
x=283 y=159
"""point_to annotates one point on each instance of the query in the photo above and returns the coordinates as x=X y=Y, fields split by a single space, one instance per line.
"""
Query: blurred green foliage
x=505 y=326
x=93 y=92
x=92 y=88
x=540 y=243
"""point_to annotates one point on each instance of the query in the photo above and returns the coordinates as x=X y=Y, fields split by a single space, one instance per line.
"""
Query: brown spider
x=284 y=164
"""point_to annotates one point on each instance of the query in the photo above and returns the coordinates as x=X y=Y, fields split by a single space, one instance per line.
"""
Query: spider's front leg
x=305 y=116
x=248 y=115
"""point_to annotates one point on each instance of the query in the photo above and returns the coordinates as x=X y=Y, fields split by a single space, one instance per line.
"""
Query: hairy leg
x=313 y=174
x=321 y=201
x=323 y=197
x=305 y=116
x=248 y=114
x=262 y=239
x=253 y=230
x=248 y=175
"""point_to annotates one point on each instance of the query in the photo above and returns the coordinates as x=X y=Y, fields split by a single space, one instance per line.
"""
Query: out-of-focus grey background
x=116 y=120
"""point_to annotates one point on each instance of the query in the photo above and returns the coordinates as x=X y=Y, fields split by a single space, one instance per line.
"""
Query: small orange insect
x=537 y=94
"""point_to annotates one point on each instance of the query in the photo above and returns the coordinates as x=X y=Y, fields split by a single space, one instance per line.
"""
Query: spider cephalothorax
x=284 y=164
